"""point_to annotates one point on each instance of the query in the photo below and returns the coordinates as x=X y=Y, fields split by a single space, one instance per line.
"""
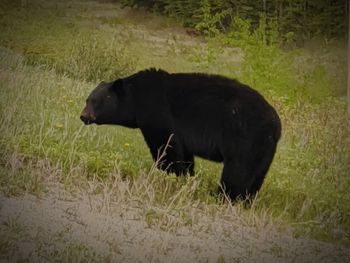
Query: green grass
x=52 y=57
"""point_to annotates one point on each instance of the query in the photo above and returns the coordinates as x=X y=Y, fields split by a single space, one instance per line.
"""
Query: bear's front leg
x=168 y=152
x=171 y=158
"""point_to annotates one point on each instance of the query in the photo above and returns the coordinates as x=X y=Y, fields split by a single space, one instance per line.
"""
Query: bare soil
x=60 y=226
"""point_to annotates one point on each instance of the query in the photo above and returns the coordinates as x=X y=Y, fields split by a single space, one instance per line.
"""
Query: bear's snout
x=87 y=118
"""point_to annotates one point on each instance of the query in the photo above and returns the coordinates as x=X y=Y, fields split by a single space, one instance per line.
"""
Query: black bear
x=187 y=114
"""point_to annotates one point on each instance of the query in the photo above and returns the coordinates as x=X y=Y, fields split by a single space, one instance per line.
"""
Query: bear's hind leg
x=262 y=160
x=236 y=179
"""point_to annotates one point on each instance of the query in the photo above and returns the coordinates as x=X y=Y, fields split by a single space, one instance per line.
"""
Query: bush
x=307 y=18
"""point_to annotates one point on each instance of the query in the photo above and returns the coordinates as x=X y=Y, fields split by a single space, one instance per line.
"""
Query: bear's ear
x=118 y=87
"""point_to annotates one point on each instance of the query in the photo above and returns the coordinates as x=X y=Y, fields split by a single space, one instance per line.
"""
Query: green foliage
x=305 y=17
x=265 y=65
x=211 y=24
x=312 y=157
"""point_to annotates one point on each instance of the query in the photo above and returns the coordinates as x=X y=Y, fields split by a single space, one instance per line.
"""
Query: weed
x=73 y=252
x=12 y=225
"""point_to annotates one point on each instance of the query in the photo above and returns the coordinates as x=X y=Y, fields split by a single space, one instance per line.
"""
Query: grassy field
x=53 y=53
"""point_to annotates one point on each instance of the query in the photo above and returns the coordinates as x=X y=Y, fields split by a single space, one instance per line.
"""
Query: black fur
x=209 y=116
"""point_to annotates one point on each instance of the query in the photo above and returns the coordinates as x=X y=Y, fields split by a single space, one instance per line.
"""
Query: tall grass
x=49 y=40
x=47 y=71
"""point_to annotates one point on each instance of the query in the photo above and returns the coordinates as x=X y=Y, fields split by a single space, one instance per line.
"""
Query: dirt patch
x=82 y=227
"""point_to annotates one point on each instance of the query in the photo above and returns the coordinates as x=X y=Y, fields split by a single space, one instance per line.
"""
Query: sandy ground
x=61 y=227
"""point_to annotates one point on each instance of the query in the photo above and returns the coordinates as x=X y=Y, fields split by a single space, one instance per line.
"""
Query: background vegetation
x=52 y=54
x=302 y=18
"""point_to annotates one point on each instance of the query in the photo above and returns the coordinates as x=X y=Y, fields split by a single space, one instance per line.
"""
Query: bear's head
x=109 y=103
